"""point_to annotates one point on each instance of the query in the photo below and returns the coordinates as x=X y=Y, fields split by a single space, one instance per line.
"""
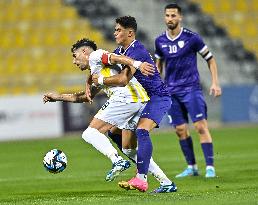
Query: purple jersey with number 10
x=180 y=57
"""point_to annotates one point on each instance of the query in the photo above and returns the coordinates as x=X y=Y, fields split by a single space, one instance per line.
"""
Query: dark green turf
x=23 y=180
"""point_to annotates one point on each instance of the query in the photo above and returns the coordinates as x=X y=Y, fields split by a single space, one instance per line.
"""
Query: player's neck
x=127 y=43
x=174 y=33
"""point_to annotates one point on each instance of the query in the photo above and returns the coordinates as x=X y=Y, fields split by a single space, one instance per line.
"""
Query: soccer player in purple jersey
x=155 y=109
x=177 y=48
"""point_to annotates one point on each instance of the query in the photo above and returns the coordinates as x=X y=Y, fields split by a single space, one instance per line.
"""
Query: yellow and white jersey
x=132 y=92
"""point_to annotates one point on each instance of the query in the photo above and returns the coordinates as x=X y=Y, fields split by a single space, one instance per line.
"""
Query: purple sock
x=187 y=149
x=207 y=149
x=144 y=151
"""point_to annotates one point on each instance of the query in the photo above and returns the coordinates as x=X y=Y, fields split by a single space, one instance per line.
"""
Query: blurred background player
x=125 y=34
x=176 y=50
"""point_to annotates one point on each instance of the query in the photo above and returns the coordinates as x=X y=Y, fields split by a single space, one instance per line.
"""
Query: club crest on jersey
x=181 y=44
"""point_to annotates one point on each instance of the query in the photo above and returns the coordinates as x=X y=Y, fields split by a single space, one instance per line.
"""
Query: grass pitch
x=23 y=180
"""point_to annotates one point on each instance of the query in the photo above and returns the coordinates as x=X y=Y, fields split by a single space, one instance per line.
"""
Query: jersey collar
x=173 y=39
x=122 y=51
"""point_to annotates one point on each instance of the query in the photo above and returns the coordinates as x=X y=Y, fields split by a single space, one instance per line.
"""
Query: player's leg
x=207 y=146
x=115 y=134
x=110 y=115
x=143 y=159
x=94 y=135
x=151 y=116
x=179 y=119
x=140 y=181
x=118 y=114
x=144 y=146
x=129 y=144
x=198 y=112
x=129 y=149
x=128 y=140
x=186 y=144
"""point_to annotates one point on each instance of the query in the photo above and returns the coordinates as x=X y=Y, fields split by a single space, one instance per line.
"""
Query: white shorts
x=121 y=114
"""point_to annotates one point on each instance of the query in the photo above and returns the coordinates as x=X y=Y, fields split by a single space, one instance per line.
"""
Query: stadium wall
x=23 y=117
x=240 y=104
x=26 y=117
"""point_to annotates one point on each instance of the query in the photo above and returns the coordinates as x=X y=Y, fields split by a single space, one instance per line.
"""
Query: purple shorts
x=191 y=103
x=156 y=108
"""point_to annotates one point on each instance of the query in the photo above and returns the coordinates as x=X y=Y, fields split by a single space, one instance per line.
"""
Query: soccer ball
x=55 y=161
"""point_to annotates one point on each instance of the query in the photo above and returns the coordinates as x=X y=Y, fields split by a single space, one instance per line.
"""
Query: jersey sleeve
x=158 y=54
x=198 y=44
x=95 y=60
x=141 y=54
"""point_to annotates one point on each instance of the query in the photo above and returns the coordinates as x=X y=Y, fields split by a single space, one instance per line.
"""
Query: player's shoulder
x=190 y=33
x=97 y=55
x=162 y=35
x=137 y=45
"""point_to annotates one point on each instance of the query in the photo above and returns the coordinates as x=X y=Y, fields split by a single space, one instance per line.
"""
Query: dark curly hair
x=127 y=22
x=174 y=6
x=84 y=42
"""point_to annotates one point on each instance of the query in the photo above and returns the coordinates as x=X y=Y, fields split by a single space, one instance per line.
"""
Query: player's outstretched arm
x=79 y=97
x=121 y=79
x=144 y=67
x=88 y=89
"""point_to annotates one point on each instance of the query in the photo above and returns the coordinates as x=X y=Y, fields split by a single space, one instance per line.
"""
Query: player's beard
x=172 y=26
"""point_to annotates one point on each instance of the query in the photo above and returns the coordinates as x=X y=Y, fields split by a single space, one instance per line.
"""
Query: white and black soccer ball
x=55 y=161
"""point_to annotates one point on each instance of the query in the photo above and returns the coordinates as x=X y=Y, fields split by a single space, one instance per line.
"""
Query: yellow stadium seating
x=36 y=38
x=239 y=17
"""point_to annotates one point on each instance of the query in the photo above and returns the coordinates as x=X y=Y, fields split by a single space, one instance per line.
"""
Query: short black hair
x=174 y=6
x=127 y=22
x=84 y=42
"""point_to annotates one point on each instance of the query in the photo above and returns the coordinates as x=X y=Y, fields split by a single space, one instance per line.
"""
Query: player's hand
x=147 y=69
x=95 y=78
x=50 y=97
x=88 y=92
x=215 y=90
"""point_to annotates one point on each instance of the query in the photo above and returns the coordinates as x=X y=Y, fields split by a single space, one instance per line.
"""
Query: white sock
x=130 y=153
x=101 y=143
x=142 y=177
x=193 y=166
x=154 y=169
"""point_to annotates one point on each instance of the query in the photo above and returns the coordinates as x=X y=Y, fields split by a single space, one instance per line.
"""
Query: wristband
x=100 y=80
x=137 y=64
